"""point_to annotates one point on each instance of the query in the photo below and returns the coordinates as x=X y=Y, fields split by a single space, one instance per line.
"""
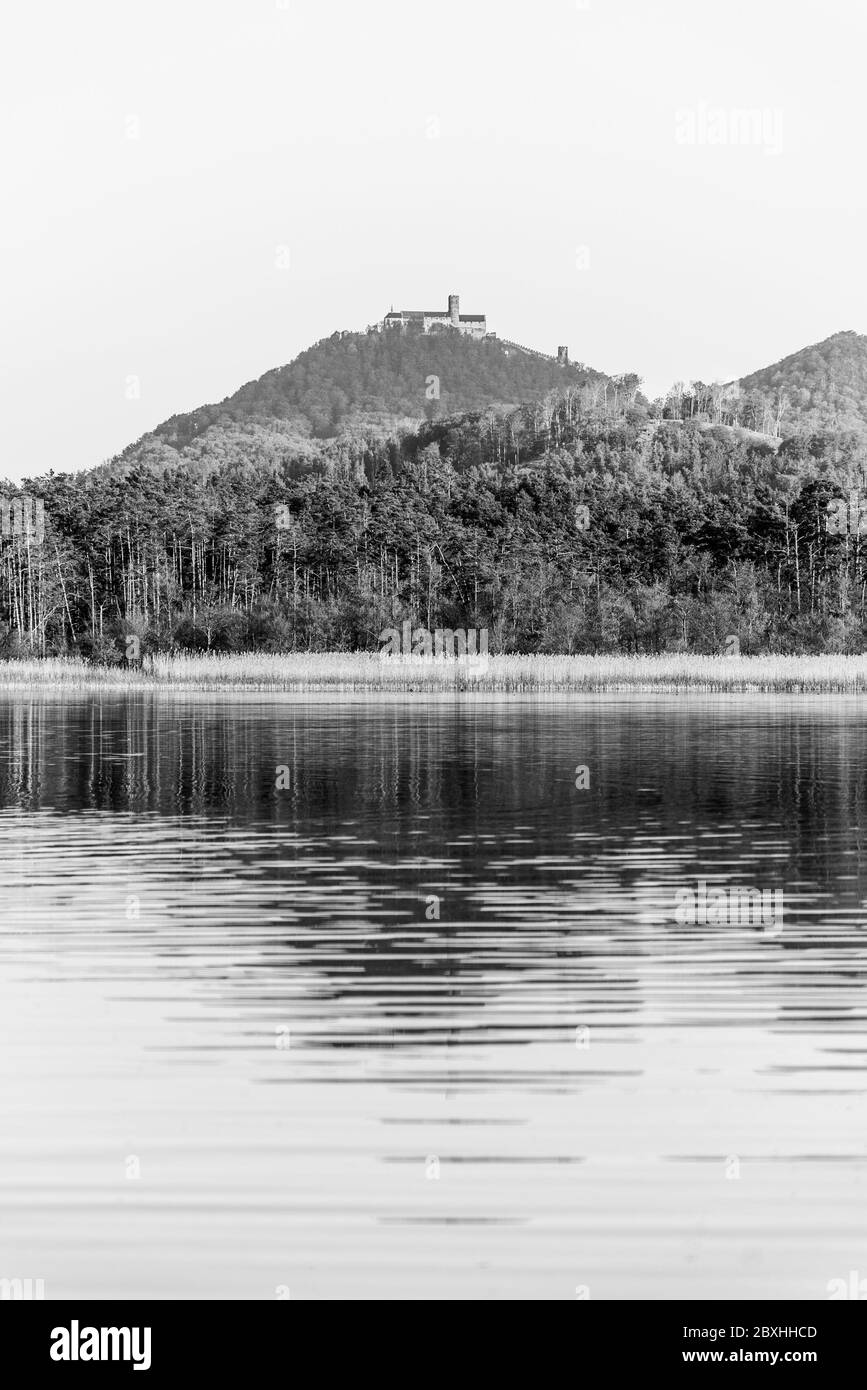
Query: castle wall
x=473 y=329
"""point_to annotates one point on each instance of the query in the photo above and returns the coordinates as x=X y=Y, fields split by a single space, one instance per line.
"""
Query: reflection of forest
x=463 y=763
x=474 y=803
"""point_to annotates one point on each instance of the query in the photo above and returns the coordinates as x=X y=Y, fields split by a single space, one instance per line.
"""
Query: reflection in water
x=421 y=1019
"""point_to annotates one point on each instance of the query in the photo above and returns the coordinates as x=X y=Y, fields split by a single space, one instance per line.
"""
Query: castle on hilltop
x=474 y=325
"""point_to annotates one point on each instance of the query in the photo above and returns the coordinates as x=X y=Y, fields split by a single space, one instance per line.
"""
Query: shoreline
x=368 y=673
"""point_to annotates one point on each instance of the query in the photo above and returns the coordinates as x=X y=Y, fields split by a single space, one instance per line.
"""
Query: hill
x=384 y=377
x=823 y=387
x=292 y=517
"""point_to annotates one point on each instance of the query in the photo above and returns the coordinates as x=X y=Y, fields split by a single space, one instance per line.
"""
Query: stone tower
x=454 y=310
x=563 y=356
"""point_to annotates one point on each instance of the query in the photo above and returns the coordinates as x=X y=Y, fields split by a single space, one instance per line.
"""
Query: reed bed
x=368 y=671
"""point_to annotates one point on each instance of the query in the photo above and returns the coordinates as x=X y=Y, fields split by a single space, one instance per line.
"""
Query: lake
x=435 y=997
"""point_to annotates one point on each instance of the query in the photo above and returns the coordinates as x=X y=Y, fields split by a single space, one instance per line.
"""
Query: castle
x=475 y=325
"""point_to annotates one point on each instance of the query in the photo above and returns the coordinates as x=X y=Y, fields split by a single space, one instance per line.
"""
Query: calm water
x=424 y=1021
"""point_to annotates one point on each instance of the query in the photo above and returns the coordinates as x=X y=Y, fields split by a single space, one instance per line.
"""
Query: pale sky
x=559 y=165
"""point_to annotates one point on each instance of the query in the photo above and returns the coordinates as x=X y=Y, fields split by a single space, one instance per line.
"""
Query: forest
x=570 y=524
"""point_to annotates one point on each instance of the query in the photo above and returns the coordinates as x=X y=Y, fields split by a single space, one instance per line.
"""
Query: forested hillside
x=823 y=387
x=387 y=376
x=353 y=384
x=560 y=526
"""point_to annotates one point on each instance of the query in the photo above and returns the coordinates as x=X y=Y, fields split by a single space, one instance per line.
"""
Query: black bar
x=219 y=1340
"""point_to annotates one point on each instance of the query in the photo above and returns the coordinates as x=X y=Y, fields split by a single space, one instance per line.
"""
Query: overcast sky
x=196 y=190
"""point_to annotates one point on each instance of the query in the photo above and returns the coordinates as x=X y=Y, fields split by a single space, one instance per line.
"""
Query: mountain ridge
x=390 y=381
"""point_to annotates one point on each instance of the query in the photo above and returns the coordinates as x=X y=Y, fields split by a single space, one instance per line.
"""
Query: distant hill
x=825 y=386
x=385 y=382
x=386 y=377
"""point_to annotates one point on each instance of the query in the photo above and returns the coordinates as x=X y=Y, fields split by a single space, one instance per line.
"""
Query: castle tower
x=454 y=310
x=563 y=356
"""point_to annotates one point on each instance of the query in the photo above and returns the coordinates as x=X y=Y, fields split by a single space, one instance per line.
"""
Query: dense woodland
x=588 y=520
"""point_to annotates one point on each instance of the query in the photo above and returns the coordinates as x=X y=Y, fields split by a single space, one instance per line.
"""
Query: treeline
x=558 y=527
